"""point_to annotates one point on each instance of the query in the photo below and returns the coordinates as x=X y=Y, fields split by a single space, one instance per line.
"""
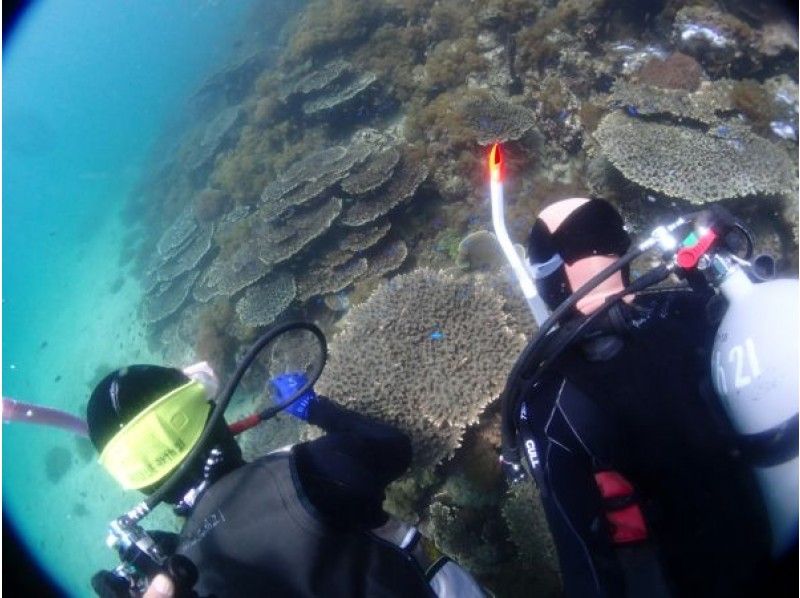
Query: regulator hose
x=224 y=398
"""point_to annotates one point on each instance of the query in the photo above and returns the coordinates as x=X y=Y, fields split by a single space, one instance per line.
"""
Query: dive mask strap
x=544 y=269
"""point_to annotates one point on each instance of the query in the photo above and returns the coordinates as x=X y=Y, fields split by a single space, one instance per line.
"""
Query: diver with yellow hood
x=306 y=520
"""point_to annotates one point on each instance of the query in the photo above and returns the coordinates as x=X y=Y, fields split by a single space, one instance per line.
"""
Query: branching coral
x=386 y=259
x=755 y=102
x=341 y=97
x=212 y=138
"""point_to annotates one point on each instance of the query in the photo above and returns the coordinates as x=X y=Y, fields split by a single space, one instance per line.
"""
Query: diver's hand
x=161 y=587
x=284 y=387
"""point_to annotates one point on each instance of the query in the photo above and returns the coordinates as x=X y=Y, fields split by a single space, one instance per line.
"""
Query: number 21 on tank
x=746 y=366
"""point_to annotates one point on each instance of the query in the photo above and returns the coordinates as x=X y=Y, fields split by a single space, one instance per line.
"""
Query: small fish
x=437 y=335
x=43 y=345
x=57 y=378
x=631 y=110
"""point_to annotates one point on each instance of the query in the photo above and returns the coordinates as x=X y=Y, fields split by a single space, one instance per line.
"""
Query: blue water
x=89 y=88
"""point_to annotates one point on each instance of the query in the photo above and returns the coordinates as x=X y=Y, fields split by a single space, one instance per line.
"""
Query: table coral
x=386 y=363
x=694 y=165
x=264 y=301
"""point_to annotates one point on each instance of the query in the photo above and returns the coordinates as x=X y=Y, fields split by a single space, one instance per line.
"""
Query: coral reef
x=407 y=178
x=167 y=297
x=386 y=259
x=479 y=251
x=227 y=276
x=341 y=98
x=210 y=139
x=466 y=536
x=277 y=242
x=177 y=234
x=373 y=174
x=698 y=166
x=496 y=120
x=213 y=343
x=189 y=256
x=676 y=71
x=327 y=279
x=524 y=515
x=706 y=105
x=210 y=205
x=358 y=239
x=262 y=303
x=389 y=336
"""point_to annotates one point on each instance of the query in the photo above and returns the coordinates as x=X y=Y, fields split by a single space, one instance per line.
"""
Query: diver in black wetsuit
x=297 y=522
x=643 y=489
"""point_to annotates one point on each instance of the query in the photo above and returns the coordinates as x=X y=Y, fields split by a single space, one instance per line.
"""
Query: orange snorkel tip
x=496 y=163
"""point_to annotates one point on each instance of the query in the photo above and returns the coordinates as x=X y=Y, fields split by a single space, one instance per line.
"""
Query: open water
x=88 y=89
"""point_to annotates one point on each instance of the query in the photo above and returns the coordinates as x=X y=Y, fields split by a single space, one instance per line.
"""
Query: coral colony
x=340 y=176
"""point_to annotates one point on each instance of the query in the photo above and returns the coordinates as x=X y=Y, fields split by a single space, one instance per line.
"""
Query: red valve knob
x=689 y=256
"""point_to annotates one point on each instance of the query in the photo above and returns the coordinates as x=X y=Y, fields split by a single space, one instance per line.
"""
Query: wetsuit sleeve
x=563 y=458
x=345 y=473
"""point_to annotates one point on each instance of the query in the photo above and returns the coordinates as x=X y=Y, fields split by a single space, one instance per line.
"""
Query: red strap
x=627 y=524
x=612 y=485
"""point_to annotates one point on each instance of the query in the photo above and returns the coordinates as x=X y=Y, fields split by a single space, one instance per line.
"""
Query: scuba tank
x=754 y=370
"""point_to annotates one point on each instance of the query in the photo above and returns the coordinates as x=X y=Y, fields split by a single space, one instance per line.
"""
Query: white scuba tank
x=755 y=373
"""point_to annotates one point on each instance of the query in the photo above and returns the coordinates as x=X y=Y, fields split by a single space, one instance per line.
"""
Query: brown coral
x=386 y=363
x=210 y=204
x=676 y=71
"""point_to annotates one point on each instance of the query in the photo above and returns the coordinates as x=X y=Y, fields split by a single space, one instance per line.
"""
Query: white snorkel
x=535 y=302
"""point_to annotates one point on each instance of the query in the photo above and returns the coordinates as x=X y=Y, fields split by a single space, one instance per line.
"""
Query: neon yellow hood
x=155 y=442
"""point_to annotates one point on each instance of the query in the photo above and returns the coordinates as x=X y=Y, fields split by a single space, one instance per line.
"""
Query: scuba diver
x=644 y=486
x=306 y=520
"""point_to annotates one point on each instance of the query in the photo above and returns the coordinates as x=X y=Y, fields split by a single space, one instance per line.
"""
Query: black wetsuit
x=645 y=413
x=296 y=523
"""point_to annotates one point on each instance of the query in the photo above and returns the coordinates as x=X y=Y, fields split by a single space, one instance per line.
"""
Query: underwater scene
x=180 y=176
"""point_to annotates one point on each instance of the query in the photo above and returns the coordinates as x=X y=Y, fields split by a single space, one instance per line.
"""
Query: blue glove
x=284 y=388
